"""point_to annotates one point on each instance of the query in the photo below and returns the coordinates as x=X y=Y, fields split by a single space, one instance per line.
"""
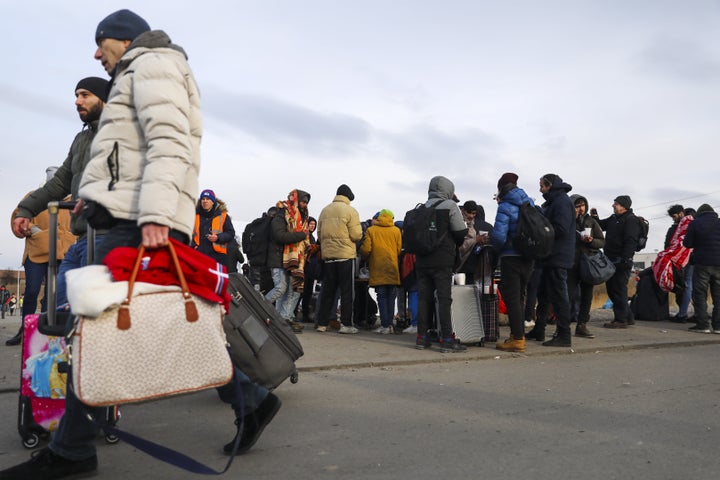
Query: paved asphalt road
x=637 y=414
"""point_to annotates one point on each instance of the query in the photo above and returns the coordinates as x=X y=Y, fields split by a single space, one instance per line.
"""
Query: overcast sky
x=615 y=96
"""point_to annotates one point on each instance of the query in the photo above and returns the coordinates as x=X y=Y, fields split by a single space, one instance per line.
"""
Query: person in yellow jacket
x=36 y=255
x=382 y=245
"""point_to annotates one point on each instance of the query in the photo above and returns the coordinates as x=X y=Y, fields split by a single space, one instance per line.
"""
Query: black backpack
x=644 y=229
x=421 y=234
x=255 y=240
x=535 y=234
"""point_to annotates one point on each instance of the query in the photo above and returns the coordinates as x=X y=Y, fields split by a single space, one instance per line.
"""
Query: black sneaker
x=536 y=334
x=422 y=343
x=254 y=424
x=679 y=319
x=699 y=329
x=452 y=346
x=16 y=340
x=45 y=465
x=559 y=340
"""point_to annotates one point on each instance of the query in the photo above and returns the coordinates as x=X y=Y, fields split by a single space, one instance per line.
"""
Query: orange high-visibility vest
x=216 y=226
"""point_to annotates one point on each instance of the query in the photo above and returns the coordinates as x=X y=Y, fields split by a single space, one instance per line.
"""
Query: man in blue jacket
x=703 y=236
x=515 y=269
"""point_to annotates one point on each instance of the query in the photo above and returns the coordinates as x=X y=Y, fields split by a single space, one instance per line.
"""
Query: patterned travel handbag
x=151 y=346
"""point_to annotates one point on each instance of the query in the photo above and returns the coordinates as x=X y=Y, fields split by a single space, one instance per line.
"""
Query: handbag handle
x=191 y=313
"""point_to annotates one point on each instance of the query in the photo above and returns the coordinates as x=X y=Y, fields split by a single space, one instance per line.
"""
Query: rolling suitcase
x=465 y=317
x=262 y=344
x=488 y=297
x=43 y=376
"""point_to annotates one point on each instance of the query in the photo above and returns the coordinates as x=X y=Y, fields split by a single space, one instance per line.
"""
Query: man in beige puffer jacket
x=338 y=231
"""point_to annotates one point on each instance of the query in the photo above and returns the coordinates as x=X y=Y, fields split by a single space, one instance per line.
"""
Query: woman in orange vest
x=213 y=227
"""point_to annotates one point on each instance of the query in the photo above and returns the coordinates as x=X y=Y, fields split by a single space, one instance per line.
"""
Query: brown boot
x=512 y=345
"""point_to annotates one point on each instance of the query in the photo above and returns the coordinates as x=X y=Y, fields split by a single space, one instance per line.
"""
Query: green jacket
x=65 y=182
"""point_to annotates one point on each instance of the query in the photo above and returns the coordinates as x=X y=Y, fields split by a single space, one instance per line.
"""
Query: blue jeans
x=75 y=436
x=687 y=294
x=35 y=275
x=75 y=257
x=281 y=280
x=286 y=304
x=705 y=277
x=413 y=306
x=386 y=303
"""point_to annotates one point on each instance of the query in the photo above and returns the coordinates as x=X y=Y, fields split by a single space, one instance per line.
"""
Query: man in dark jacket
x=434 y=270
x=289 y=237
x=621 y=239
x=588 y=241
x=474 y=216
x=560 y=211
x=703 y=236
x=90 y=98
x=677 y=213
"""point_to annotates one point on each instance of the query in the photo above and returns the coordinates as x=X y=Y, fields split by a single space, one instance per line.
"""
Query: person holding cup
x=589 y=240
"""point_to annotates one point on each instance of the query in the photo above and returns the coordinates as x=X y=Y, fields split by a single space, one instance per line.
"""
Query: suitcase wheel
x=111 y=439
x=31 y=441
x=294 y=377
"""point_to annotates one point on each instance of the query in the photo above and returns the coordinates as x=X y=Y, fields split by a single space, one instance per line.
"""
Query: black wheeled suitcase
x=262 y=344
x=488 y=298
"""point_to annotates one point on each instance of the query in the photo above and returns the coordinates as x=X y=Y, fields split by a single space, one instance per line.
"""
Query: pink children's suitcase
x=43 y=377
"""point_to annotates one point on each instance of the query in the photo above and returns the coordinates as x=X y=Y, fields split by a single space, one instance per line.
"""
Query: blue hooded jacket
x=506 y=221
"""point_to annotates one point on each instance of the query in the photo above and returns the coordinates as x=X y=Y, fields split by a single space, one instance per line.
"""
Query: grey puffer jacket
x=65 y=182
x=146 y=155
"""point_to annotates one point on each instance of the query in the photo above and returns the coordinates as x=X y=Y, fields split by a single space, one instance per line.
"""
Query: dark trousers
x=553 y=291
x=618 y=292
x=35 y=276
x=705 y=277
x=515 y=274
x=577 y=288
x=337 y=274
x=532 y=294
x=435 y=284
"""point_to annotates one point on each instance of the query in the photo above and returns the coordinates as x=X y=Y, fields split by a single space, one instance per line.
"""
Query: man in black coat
x=621 y=239
x=703 y=236
x=560 y=211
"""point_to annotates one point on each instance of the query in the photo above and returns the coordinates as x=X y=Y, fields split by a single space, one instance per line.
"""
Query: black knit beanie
x=121 y=25
x=345 y=191
x=624 y=200
x=95 y=85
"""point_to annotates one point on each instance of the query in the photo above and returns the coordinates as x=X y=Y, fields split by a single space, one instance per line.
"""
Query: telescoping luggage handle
x=54 y=210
